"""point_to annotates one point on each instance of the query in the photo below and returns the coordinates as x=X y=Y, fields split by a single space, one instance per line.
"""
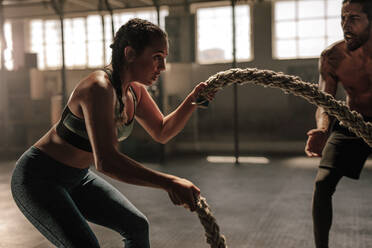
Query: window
x=53 y=45
x=37 y=41
x=94 y=41
x=75 y=42
x=303 y=28
x=48 y=53
x=214 y=34
x=121 y=18
x=8 y=51
x=86 y=45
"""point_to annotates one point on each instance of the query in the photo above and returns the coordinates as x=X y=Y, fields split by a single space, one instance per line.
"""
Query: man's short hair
x=366 y=5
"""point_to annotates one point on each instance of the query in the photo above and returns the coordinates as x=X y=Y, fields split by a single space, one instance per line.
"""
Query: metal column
x=58 y=8
x=2 y=36
x=157 y=6
x=158 y=91
x=160 y=83
x=110 y=10
x=3 y=101
x=236 y=116
x=102 y=6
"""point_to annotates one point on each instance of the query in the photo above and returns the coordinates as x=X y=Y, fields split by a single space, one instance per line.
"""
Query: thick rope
x=289 y=84
x=212 y=231
x=292 y=84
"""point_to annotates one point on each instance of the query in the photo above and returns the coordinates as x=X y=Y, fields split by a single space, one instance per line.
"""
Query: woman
x=52 y=184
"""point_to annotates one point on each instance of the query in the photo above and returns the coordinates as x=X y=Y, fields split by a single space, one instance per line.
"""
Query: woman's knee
x=136 y=233
x=141 y=224
x=135 y=225
x=138 y=236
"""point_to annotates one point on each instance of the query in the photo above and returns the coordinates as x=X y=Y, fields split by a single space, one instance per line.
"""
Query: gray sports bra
x=72 y=128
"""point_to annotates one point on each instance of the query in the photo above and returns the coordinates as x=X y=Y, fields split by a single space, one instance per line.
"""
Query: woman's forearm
x=125 y=169
x=176 y=121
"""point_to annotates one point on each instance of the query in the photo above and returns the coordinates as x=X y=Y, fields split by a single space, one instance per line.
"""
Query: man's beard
x=358 y=41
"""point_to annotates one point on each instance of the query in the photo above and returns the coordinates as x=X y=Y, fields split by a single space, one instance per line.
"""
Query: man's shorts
x=344 y=151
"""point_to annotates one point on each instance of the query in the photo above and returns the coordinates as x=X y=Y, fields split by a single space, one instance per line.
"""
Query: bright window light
x=304 y=28
x=53 y=56
x=214 y=34
x=75 y=42
x=95 y=41
x=8 y=47
x=86 y=45
x=242 y=160
x=108 y=39
x=37 y=41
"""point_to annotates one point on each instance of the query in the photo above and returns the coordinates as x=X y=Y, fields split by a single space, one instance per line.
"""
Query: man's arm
x=328 y=84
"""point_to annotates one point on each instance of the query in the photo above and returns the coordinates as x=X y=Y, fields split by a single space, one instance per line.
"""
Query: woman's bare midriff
x=52 y=145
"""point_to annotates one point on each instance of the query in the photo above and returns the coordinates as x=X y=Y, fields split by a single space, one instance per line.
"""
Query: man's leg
x=325 y=185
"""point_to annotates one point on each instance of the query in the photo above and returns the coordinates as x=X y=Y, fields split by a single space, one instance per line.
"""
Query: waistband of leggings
x=34 y=151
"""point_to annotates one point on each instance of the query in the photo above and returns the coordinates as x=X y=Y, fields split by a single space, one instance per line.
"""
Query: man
x=348 y=62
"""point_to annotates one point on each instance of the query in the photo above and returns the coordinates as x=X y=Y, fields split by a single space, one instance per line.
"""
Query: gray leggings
x=59 y=200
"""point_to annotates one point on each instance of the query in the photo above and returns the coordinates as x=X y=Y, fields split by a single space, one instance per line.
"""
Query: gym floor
x=256 y=206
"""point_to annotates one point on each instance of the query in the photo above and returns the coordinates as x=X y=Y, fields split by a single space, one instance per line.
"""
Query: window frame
x=85 y=18
x=297 y=39
x=193 y=9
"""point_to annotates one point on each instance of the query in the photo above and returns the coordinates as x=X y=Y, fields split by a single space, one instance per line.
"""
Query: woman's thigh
x=103 y=204
x=46 y=203
x=51 y=210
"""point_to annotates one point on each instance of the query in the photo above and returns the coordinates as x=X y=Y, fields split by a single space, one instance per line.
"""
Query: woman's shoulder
x=95 y=84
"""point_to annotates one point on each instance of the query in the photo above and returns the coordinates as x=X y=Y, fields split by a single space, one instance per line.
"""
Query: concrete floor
x=256 y=206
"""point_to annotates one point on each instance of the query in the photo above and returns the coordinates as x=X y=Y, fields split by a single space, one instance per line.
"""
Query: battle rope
x=212 y=231
x=289 y=84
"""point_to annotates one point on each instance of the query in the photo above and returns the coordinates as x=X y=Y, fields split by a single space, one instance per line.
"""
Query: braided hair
x=138 y=34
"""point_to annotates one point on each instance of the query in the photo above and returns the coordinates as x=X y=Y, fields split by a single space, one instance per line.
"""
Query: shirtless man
x=348 y=62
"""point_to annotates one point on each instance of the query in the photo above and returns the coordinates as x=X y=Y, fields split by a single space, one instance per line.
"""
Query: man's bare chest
x=355 y=76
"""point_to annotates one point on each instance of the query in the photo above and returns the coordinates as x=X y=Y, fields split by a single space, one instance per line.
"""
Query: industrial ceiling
x=13 y=9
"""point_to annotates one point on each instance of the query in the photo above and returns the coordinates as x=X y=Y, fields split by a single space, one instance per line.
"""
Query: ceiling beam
x=13 y=2
x=148 y=2
x=42 y=8
x=83 y=4
x=117 y=3
x=20 y=3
